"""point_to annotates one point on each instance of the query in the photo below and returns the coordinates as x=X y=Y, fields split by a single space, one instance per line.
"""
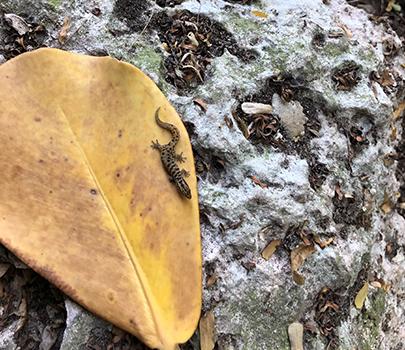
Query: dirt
x=133 y=13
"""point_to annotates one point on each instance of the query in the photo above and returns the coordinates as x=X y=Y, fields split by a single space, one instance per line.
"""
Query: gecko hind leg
x=185 y=173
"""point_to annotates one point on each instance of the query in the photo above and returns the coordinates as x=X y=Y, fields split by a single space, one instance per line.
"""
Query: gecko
x=169 y=157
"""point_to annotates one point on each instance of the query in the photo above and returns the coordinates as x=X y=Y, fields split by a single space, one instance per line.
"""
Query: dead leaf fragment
x=398 y=111
x=63 y=34
x=323 y=243
x=256 y=108
x=258 y=182
x=387 y=205
x=18 y=23
x=207 y=331
x=298 y=257
x=347 y=31
x=296 y=334
x=200 y=102
x=361 y=296
x=270 y=249
x=211 y=280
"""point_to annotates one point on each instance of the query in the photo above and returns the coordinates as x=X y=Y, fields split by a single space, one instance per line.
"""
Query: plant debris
x=298 y=256
x=207 y=331
x=36 y=306
x=201 y=103
x=346 y=76
x=333 y=306
x=296 y=334
x=348 y=209
x=20 y=35
x=256 y=108
x=63 y=34
x=191 y=42
x=361 y=296
x=270 y=249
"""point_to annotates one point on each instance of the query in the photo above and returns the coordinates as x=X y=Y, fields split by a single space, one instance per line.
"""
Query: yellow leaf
x=207 y=331
x=270 y=249
x=259 y=14
x=361 y=296
x=84 y=199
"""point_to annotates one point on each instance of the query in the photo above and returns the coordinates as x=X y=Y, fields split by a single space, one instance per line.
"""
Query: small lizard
x=169 y=157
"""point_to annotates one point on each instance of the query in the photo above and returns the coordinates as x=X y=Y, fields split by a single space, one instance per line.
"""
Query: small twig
x=147 y=23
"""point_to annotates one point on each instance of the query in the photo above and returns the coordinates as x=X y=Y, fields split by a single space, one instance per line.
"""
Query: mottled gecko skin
x=169 y=157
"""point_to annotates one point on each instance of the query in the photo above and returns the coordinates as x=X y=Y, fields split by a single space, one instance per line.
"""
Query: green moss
x=148 y=58
x=368 y=56
x=150 y=61
x=371 y=321
x=55 y=3
x=243 y=25
x=278 y=58
x=333 y=50
x=252 y=323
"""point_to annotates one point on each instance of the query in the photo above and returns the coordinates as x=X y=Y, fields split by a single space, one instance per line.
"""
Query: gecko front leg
x=180 y=158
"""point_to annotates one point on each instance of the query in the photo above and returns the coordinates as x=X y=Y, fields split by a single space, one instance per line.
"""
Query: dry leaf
x=387 y=205
x=18 y=23
x=256 y=108
x=398 y=111
x=105 y=224
x=347 y=31
x=329 y=305
x=361 y=296
x=258 y=182
x=211 y=280
x=63 y=34
x=323 y=243
x=207 y=331
x=390 y=5
x=270 y=249
x=298 y=278
x=298 y=257
x=339 y=192
x=200 y=102
x=259 y=14
x=296 y=334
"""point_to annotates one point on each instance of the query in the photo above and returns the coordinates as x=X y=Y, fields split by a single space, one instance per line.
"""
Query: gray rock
x=255 y=300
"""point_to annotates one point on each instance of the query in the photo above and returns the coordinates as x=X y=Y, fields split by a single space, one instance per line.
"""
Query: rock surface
x=318 y=172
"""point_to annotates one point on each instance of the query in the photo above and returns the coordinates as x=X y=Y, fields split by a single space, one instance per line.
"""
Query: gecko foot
x=156 y=145
x=180 y=158
x=185 y=173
